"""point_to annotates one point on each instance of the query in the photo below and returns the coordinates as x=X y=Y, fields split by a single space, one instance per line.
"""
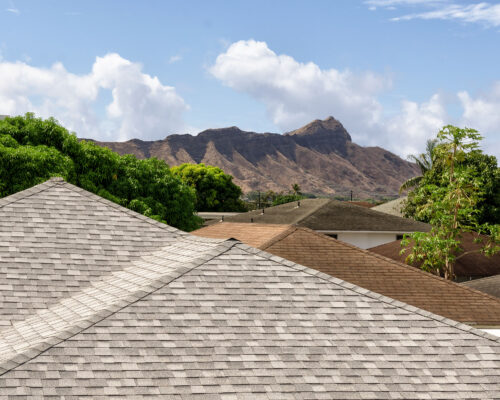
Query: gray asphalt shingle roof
x=187 y=318
x=490 y=285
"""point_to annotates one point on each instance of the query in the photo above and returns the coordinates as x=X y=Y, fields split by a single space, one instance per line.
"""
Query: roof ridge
x=119 y=207
x=280 y=236
x=26 y=339
x=54 y=181
x=369 y=293
x=22 y=194
x=314 y=210
x=400 y=264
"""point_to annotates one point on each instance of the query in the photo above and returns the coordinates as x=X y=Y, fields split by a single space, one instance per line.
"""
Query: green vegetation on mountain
x=32 y=150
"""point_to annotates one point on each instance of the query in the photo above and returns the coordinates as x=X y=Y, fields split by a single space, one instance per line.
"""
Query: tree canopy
x=455 y=195
x=215 y=190
x=32 y=150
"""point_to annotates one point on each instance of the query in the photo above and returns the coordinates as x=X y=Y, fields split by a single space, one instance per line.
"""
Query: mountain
x=320 y=157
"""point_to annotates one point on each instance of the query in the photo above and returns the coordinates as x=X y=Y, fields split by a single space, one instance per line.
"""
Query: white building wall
x=365 y=240
x=495 y=332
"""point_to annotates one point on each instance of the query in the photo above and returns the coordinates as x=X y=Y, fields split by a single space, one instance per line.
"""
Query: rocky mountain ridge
x=320 y=157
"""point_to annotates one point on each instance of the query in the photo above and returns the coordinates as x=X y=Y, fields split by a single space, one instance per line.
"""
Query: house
x=101 y=302
x=365 y=269
x=472 y=265
x=489 y=285
x=392 y=207
x=359 y=226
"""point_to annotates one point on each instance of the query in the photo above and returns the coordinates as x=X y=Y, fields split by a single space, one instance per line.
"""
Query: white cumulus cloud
x=407 y=132
x=294 y=92
x=141 y=106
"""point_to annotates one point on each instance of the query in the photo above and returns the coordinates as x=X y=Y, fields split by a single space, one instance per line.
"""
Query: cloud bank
x=295 y=93
x=140 y=107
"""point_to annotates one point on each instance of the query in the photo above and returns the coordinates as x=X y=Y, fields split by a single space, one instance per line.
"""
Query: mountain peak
x=327 y=126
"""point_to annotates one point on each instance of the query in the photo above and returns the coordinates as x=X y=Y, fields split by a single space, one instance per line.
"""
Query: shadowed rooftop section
x=332 y=215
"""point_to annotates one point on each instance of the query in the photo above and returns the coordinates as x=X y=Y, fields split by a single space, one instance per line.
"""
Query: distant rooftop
x=489 y=285
x=333 y=215
x=392 y=207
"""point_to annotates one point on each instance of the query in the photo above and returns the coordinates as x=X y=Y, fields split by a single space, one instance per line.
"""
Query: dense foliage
x=215 y=190
x=479 y=165
x=455 y=195
x=32 y=150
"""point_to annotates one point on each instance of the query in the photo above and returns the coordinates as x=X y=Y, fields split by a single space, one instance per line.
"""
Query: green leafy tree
x=215 y=190
x=425 y=162
x=448 y=202
x=33 y=150
x=481 y=166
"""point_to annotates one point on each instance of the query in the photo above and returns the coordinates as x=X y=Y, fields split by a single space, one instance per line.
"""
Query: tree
x=296 y=189
x=215 y=190
x=33 y=150
x=425 y=162
x=482 y=166
x=450 y=204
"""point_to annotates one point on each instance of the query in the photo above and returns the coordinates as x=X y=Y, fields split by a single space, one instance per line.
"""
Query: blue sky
x=392 y=71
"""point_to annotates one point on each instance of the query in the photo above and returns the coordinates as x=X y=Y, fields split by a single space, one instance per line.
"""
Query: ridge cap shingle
x=26 y=339
x=369 y=293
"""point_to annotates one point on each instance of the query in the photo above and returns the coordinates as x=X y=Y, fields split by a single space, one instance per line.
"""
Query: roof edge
x=365 y=292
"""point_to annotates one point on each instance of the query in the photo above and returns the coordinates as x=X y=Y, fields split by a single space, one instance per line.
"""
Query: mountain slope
x=320 y=157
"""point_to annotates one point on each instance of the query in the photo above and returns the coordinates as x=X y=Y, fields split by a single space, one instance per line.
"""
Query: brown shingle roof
x=368 y=270
x=332 y=215
x=473 y=265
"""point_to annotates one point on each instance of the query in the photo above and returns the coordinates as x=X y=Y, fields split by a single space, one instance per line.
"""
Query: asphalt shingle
x=366 y=269
x=195 y=318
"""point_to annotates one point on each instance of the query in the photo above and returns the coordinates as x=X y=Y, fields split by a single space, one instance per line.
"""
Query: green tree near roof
x=215 y=190
x=425 y=162
x=447 y=197
x=32 y=150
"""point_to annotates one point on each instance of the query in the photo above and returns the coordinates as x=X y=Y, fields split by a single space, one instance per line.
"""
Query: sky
x=392 y=71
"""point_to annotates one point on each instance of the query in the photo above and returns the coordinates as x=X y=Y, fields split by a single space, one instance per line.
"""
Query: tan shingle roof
x=367 y=270
x=325 y=214
x=197 y=318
